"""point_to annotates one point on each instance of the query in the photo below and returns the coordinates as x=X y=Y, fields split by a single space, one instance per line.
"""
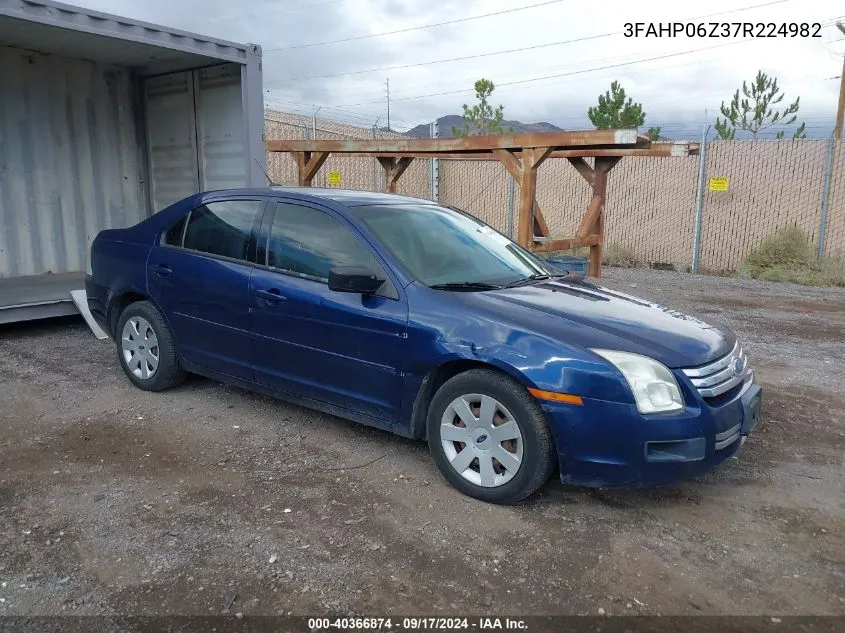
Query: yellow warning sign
x=719 y=183
x=334 y=177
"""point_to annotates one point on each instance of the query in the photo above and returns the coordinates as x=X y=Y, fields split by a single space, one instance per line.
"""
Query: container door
x=171 y=138
x=220 y=127
x=195 y=133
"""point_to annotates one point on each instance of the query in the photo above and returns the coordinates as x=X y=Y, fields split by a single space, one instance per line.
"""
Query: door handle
x=162 y=270
x=271 y=296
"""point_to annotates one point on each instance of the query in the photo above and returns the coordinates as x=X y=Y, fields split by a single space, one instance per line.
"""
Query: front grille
x=721 y=375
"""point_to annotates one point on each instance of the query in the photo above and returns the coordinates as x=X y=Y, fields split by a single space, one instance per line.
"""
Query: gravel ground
x=208 y=499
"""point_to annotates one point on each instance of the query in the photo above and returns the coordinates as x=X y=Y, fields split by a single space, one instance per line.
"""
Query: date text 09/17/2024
x=723 y=29
x=420 y=623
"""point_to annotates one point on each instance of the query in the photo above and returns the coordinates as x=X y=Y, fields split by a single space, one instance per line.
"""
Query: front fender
x=552 y=366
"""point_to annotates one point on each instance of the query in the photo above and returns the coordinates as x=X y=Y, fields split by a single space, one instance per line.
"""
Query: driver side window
x=308 y=242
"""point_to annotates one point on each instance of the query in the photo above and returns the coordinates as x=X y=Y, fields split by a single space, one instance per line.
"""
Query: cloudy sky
x=337 y=54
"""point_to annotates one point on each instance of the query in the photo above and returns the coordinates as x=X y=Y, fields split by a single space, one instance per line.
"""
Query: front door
x=199 y=276
x=343 y=349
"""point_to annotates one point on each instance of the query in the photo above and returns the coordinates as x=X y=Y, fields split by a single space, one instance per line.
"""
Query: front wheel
x=146 y=350
x=489 y=438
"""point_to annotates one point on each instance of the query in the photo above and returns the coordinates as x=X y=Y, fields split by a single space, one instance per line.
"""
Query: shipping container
x=105 y=120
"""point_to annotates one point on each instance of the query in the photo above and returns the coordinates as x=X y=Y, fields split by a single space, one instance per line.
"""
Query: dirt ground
x=209 y=498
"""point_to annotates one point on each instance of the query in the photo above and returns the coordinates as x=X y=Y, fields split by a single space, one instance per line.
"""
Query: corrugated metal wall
x=70 y=161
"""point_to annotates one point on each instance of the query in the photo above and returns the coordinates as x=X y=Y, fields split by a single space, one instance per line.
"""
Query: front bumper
x=611 y=444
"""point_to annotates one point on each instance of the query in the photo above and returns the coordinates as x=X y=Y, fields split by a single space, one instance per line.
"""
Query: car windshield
x=441 y=246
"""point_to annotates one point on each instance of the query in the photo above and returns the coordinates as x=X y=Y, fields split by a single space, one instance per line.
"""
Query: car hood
x=596 y=317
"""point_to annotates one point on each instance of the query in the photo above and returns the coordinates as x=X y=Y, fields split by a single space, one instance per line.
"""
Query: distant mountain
x=445 y=124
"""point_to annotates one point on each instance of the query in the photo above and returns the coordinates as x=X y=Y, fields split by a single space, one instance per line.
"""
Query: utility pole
x=840 y=111
x=387 y=83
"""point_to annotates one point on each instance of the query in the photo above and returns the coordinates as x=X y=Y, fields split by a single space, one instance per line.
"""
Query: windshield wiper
x=466 y=285
x=534 y=277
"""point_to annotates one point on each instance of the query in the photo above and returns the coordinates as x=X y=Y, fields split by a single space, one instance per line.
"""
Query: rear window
x=173 y=237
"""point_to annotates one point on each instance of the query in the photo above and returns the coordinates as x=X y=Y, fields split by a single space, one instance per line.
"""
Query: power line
x=576 y=72
x=451 y=59
x=415 y=28
x=464 y=81
x=506 y=51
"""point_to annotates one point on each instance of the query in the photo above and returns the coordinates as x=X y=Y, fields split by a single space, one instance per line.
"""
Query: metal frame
x=521 y=155
x=77 y=18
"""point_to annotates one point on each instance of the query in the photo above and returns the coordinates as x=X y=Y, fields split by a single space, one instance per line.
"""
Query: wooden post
x=393 y=170
x=527 y=191
x=514 y=168
x=307 y=166
x=527 y=220
x=593 y=221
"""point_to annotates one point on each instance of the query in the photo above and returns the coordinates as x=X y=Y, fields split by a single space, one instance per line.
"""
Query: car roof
x=348 y=197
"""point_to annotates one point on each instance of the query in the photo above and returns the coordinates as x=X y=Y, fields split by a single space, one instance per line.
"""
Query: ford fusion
x=422 y=320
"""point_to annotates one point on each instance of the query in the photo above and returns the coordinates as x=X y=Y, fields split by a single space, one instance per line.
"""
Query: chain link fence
x=750 y=189
x=355 y=172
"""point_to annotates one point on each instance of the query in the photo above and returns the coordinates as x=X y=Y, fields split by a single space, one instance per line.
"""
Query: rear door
x=199 y=274
x=340 y=348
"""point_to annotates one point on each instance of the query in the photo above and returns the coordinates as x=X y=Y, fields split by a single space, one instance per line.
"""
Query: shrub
x=788 y=255
x=620 y=255
x=788 y=246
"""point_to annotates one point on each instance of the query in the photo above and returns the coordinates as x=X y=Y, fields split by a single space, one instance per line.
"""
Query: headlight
x=655 y=388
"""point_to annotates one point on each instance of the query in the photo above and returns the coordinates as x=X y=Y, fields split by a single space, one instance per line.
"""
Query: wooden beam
x=556 y=140
x=541 y=154
x=657 y=150
x=514 y=167
x=606 y=163
x=393 y=170
x=583 y=168
x=540 y=227
x=311 y=164
x=510 y=161
x=401 y=165
x=564 y=245
x=591 y=215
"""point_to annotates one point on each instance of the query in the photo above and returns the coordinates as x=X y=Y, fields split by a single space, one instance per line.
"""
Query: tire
x=532 y=454
x=146 y=349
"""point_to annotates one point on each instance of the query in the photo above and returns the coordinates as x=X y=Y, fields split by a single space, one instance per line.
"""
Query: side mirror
x=354 y=279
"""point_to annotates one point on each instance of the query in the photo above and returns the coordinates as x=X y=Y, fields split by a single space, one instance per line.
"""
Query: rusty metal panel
x=70 y=160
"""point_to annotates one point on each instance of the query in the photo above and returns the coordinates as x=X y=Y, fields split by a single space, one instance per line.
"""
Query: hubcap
x=139 y=345
x=481 y=439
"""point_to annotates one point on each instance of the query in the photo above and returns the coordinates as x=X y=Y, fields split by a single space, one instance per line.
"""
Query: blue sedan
x=420 y=319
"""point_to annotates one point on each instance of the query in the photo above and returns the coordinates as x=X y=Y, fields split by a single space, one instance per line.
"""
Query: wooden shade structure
x=521 y=155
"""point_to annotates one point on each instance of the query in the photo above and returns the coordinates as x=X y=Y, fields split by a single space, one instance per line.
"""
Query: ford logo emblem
x=736 y=366
x=481 y=439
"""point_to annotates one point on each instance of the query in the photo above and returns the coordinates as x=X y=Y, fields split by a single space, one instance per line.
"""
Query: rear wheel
x=146 y=350
x=489 y=438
